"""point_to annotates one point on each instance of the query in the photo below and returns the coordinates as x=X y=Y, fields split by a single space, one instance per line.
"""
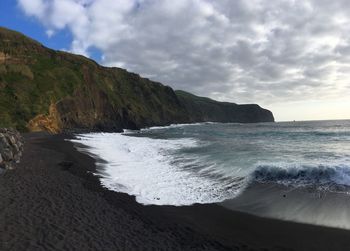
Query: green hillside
x=43 y=89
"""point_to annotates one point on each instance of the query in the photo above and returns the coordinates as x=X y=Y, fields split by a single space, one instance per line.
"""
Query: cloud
x=264 y=51
x=35 y=8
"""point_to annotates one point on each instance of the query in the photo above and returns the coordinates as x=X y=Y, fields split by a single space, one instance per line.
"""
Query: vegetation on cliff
x=44 y=89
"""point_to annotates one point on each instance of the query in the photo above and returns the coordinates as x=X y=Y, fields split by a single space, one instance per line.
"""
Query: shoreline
x=303 y=205
x=52 y=201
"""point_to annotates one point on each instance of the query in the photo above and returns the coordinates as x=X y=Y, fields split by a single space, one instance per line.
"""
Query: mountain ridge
x=47 y=90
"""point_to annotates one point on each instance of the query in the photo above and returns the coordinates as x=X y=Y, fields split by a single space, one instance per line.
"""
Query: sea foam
x=144 y=167
x=211 y=162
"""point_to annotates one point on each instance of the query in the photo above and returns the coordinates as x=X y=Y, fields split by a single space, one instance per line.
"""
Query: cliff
x=44 y=89
x=206 y=109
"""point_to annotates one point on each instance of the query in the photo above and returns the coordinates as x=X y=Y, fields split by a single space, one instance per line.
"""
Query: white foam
x=177 y=125
x=147 y=169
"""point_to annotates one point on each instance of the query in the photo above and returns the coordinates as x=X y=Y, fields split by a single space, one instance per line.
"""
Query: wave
x=179 y=125
x=329 y=178
x=150 y=170
x=171 y=172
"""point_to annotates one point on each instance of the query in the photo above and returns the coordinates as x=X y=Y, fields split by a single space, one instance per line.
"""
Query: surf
x=186 y=164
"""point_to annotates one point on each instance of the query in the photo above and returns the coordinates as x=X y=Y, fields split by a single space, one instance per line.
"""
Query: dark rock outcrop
x=46 y=90
x=11 y=147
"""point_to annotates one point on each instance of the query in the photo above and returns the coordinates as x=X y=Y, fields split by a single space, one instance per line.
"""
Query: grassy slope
x=87 y=95
x=206 y=109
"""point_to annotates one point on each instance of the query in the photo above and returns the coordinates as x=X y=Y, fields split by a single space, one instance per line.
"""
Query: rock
x=8 y=154
x=3 y=142
x=11 y=147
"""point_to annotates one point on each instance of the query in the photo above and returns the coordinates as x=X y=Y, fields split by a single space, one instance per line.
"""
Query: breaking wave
x=330 y=178
x=148 y=169
x=211 y=162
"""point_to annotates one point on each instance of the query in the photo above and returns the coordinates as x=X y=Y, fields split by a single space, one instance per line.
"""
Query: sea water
x=214 y=162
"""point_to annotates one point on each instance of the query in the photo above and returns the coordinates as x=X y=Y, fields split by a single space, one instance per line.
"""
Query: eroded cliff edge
x=46 y=90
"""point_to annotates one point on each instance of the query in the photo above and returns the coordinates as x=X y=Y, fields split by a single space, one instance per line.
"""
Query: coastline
x=52 y=201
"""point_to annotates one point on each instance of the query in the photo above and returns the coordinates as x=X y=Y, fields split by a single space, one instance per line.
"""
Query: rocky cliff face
x=11 y=147
x=205 y=109
x=43 y=89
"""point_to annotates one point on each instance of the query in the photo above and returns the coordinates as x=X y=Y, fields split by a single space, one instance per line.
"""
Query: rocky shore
x=11 y=147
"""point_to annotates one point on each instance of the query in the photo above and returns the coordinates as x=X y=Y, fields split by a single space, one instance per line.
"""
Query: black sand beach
x=51 y=201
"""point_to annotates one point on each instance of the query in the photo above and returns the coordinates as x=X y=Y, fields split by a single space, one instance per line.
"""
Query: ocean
x=216 y=162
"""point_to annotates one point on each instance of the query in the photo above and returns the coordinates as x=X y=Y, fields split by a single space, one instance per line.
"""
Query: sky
x=290 y=56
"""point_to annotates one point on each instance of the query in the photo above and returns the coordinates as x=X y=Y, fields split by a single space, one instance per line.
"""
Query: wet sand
x=51 y=201
x=302 y=204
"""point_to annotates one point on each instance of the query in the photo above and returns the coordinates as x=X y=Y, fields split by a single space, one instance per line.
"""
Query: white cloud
x=264 y=51
x=50 y=33
x=35 y=8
